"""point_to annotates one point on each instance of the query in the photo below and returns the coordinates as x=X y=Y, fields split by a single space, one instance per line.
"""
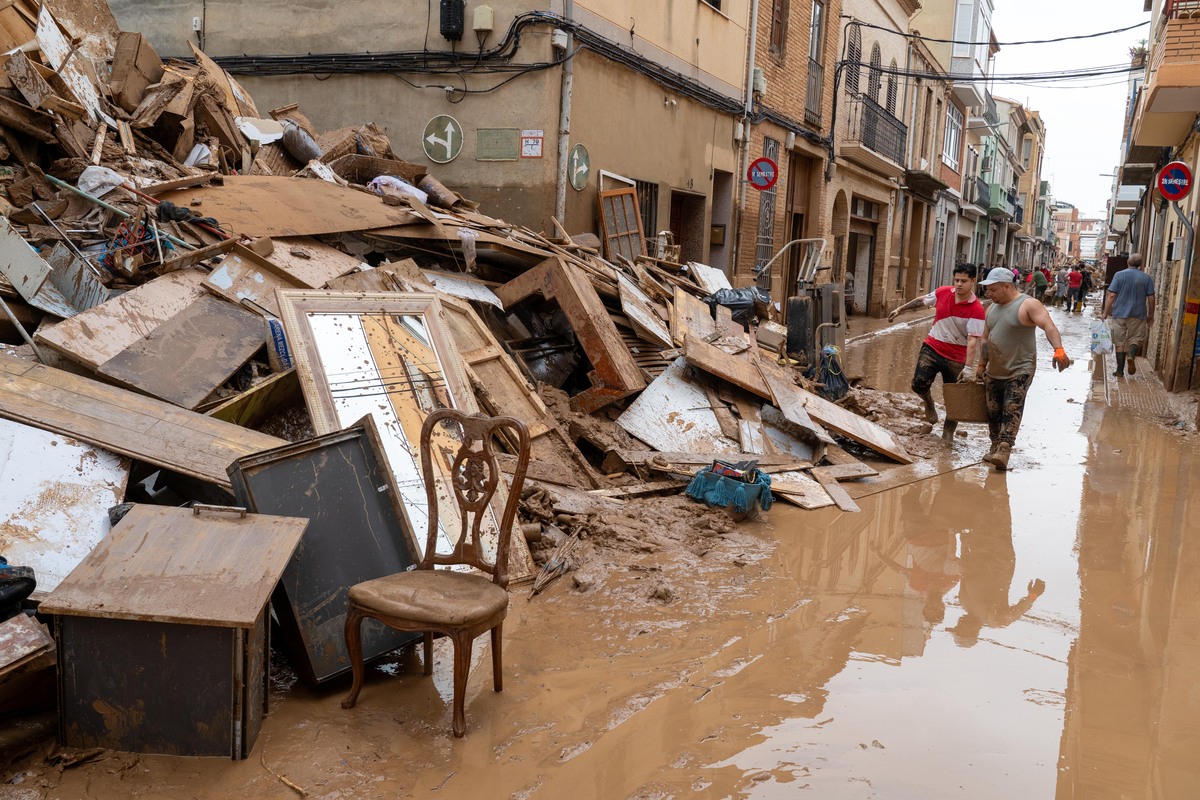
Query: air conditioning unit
x=1175 y=249
x=986 y=166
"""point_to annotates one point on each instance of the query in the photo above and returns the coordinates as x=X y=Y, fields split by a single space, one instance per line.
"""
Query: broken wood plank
x=799 y=489
x=641 y=490
x=620 y=460
x=689 y=315
x=830 y=483
x=850 y=471
x=155 y=189
x=245 y=275
x=917 y=471
x=125 y=422
x=639 y=308
x=709 y=279
x=787 y=398
x=852 y=426
x=22 y=640
x=28 y=81
x=716 y=361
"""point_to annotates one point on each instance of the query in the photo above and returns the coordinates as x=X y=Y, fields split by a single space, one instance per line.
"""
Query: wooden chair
x=442 y=602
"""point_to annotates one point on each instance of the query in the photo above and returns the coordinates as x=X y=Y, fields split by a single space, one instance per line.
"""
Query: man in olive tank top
x=1010 y=358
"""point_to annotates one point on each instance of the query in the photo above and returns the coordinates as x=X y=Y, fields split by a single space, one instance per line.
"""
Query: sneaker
x=999 y=456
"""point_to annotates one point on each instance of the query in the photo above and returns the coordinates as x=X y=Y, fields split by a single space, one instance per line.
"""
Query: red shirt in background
x=1075 y=279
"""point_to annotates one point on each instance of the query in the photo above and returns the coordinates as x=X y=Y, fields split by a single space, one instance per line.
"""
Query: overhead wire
x=919 y=37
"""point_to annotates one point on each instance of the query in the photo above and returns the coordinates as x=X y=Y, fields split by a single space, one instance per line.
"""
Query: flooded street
x=907 y=651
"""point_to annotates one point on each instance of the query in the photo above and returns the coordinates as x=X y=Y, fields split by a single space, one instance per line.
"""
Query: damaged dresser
x=163 y=631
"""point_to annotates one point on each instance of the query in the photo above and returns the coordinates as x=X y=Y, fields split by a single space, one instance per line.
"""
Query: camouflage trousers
x=930 y=364
x=1006 y=406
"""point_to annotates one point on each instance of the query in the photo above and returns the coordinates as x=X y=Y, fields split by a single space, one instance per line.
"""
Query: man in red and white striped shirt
x=953 y=341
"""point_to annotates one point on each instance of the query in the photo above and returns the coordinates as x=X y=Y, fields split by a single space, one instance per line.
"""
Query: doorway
x=687 y=223
x=861 y=258
x=719 y=240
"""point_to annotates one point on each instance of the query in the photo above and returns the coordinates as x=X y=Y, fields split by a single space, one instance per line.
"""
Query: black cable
x=998 y=44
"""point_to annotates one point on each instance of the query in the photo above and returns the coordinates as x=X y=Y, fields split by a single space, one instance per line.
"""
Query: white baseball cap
x=998 y=275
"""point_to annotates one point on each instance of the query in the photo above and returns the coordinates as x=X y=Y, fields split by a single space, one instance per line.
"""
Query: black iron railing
x=872 y=126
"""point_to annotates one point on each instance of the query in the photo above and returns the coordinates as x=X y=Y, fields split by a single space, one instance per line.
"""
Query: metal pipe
x=1189 y=254
x=21 y=329
x=564 y=119
x=114 y=209
x=747 y=108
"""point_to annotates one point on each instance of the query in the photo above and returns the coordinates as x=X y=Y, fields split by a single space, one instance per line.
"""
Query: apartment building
x=1032 y=249
x=1164 y=104
x=1066 y=230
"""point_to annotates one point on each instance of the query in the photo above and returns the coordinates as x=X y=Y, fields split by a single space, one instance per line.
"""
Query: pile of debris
x=208 y=297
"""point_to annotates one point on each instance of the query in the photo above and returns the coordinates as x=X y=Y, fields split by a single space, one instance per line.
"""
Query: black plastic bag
x=742 y=302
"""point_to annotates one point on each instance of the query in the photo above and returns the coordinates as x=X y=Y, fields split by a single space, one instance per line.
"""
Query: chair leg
x=497 y=658
x=354 y=620
x=428 y=653
x=462 y=665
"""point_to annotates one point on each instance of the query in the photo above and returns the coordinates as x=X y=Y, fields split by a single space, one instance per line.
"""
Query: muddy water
x=893 y=653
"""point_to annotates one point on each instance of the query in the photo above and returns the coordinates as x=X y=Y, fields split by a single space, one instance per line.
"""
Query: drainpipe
x=746 y=111
x=1189 y=253
x=564 y=120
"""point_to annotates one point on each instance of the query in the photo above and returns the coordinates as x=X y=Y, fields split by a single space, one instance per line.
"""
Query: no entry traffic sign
x=762 y=174
x=1175 y=181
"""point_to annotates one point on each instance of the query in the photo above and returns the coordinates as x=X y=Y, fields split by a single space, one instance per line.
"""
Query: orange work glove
x=1061 y=361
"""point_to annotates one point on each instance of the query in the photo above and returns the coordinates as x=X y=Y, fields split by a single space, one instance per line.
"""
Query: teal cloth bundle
x=724 y=492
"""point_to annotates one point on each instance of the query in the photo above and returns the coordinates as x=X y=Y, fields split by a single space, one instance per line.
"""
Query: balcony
x=875 y=139
x=1001 y=202
x=812 y=97
x=1018 y=218
x=1171 y=97
x=976 y=196
x=991 y=114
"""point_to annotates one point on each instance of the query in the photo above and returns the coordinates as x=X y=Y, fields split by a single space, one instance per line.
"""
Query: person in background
x=952 y=341
x=1010 y=359
x=1039 y=283
x=1074 y=284
x=1061 y=285
x=1130 y=302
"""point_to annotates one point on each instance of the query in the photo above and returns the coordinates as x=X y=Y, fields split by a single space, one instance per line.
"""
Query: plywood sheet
x=790 y=402
x=187 y=357
x=311 y=263
x=245 y=275
x=61 y=56
x=96 y=335
x=55 y=492
x=640 y=310
x=22 y=639
x=709 y=279
x=267 y=205
x=799 y=489
x=690 y=315
x=125 y=422
x=199 y=566
x=673 y=414
x=830 y=483
x=852 y=426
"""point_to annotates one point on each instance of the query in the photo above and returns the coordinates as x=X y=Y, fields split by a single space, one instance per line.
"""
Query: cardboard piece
x=135 y=67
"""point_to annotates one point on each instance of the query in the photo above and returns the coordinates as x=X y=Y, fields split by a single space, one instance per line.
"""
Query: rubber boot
x=948 y=428
x=1131 y=362
x=999 y=458
x=1120 y=373
x=931 y=415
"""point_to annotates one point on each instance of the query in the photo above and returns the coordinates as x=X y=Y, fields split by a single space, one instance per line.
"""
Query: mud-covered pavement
x=907 y=651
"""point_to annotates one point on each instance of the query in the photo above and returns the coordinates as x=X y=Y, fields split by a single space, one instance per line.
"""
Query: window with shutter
x=892 y=90
x=854 y=57
x=779 y=20
x=875 y=77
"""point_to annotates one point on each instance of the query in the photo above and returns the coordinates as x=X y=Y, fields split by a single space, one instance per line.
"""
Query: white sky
x=1083 y=125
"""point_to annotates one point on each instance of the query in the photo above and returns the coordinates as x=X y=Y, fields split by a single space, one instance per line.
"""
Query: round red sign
x=762 y=174
x=1175 y=181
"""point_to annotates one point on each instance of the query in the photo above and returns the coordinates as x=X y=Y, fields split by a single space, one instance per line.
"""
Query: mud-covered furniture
x=451 y=601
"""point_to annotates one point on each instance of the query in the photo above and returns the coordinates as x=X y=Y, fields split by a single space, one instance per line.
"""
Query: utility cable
x=998 y=44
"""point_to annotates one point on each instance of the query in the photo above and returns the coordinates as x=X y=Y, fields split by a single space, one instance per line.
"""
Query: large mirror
x=387 y=354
